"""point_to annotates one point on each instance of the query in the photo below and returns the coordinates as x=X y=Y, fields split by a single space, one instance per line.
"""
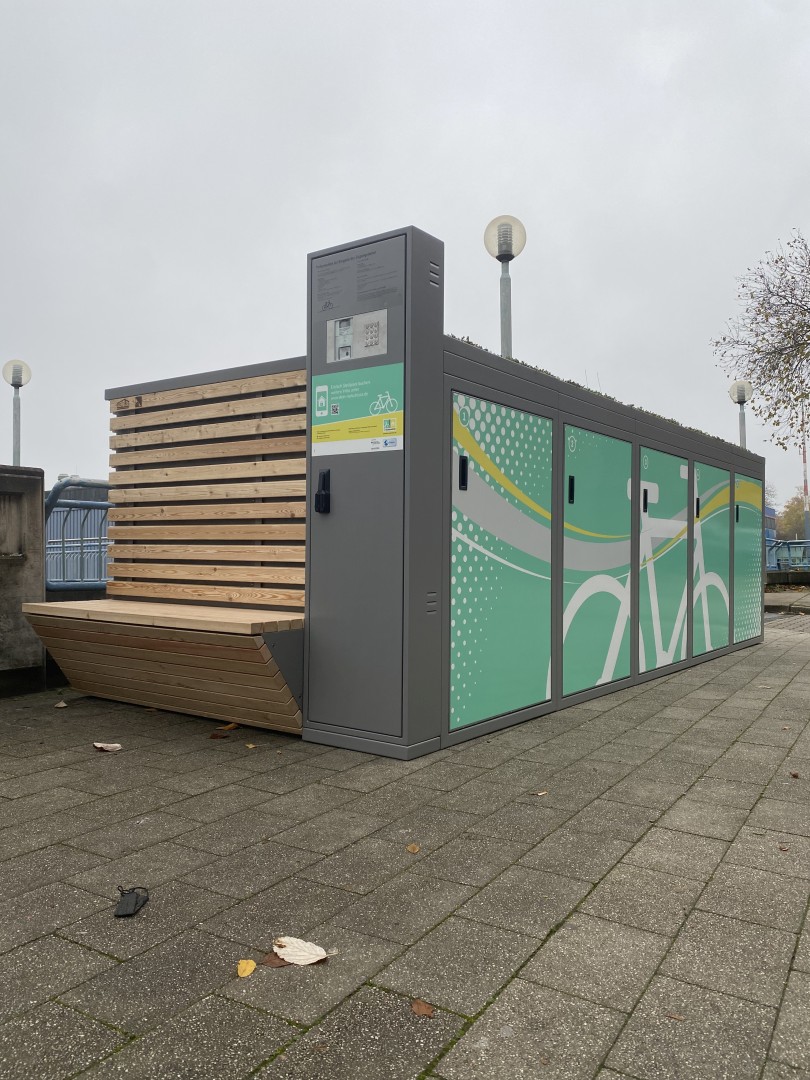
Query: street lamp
x=740 y=392
x=16 y=373
x=504 y=239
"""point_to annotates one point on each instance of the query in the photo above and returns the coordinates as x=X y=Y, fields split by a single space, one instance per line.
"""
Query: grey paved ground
x=620 y=889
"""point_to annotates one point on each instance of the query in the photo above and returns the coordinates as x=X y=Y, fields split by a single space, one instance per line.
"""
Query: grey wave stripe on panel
x=489 y=509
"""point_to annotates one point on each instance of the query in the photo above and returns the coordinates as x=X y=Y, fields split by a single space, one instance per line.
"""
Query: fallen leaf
x=795 y=775
x=250 y=745
x=421 y=1008
x=61 y=705
x=674 y=1016
x=763 y=686
x=228 y=727
x=539 y=793
x=218 y=735
x=784 y=847
x=245 y=968
x=785 y=729
x=110 y=747
x=297 y=951
x=274 y=960
x=278 y=752
x=413 y=848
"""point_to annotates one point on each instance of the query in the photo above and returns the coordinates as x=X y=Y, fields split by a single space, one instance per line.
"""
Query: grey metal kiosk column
x=373 y=659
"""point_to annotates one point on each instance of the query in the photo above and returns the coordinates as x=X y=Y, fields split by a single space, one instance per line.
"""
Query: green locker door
x=747 y=558
x=500 y=574
x=596 y=581
x=662 y=587
x=711 y=560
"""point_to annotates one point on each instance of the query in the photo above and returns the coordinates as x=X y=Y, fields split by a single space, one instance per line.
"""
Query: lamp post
x=504 y=239
x=740 y=392
x=16 y=373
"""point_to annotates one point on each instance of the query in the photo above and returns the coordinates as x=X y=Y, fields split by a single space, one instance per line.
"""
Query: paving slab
x=732 y=956
x=40 y=970
x=56 y=1041
x=142 y=993
x=678 y=853
x=678 y=1031
x=305 y=994
x=364 y=866
x=791 y=1040
x=602 y=961
x=373 y=1035
x=583 y=855
x=251 y=870
x=531 y=1031
x=404 y=908
x=646 y=899
x=743 y=892
x=150 y=867
x=615 y=819
x=779 y=853
x=172 y=908
x=459 y=965
x=42 y=867
x=715 y=820
x=527 y=901
x=213 y=1038
x=43 y=910
x=329 y=832
x=291 y=907
x=470 y=859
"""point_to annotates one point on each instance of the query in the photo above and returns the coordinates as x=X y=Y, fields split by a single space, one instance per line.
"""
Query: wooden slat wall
x=209 y=493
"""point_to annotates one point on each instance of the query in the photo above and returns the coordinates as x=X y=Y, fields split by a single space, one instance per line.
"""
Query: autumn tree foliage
x=790 y=519
x=768 y=343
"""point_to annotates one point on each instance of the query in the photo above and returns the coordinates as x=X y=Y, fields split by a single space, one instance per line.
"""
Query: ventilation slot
x=435 y=272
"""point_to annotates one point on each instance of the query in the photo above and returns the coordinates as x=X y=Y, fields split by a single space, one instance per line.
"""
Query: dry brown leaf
x=245 y=968
x=413 y=848
x=784 y=847
x=61 y=705
x=274 y=960
x=539 y=793
x=421 y=1008
x=218 y=735
x=228 y=727
x=110 y=747
x=674 y=1016
x=785 y=729
x=794 y=775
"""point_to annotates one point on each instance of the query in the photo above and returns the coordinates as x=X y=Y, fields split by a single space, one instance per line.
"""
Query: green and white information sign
x=359 y=412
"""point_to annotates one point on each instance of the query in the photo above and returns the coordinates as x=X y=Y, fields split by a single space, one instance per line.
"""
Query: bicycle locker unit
x=487 y=543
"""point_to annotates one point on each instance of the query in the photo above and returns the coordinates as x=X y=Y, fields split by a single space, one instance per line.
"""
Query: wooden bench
x=207 y=551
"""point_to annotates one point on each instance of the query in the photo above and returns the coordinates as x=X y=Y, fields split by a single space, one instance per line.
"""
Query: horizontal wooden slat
x=207 y=532
x=220 y=409
x=278 y=575
x=269 y=490
x=245 y=647
x=294 y=444
x=292 y=466
x=161 y=650
x=233 y=620
x=208 y=511
x=208 y=552
x=265 y=425
x=267 y=688
x=271 y=716
x=254 y=384
x=273 y=597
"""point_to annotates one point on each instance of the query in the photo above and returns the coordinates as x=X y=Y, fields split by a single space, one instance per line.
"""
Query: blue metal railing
x=75 y=537
x=787 y=554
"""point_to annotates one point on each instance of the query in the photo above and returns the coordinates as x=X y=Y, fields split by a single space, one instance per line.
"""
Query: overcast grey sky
x=168 y=164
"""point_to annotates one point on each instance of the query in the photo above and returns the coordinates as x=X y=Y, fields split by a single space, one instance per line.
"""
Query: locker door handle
x=463 y=470
x=644 y=501
x=697 y=509
x=323 y=496
x=736 y=512
x=570 y=489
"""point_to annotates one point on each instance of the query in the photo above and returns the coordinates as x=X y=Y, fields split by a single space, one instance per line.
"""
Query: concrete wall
x=22 y=576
